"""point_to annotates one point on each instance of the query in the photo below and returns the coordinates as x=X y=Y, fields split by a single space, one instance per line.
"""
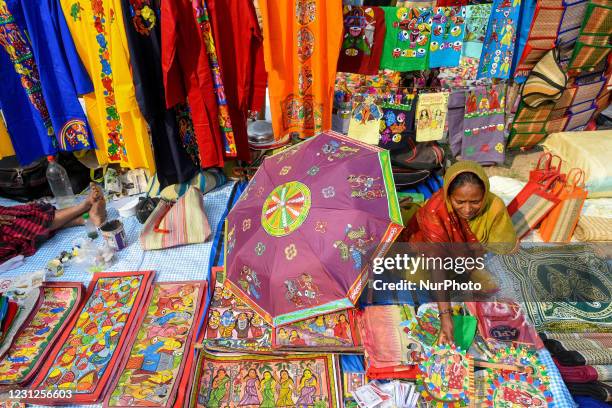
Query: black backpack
x=27 y=183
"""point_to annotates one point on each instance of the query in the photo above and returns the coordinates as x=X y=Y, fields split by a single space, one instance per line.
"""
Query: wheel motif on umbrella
x=286 y=209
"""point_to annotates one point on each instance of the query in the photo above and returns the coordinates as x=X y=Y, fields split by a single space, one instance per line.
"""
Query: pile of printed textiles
x=584 y=361
x=498 y=358
x=279 y=366
x=578 y=293
x=297 y=248
x=126 y=340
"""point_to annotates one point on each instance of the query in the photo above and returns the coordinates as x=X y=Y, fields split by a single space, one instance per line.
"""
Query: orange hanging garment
x=302 y=41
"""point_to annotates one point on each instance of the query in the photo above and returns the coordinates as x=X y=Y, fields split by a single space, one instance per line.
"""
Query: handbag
x=560 y=223
x=29 y=182
x=545 y=170
x=146 y=206
x=464 y=330
x=404 y=178
x=419 y=156
x=25 y=183
x=504 y=321
x=176 y=223
x=546 y=82
x=531 y=205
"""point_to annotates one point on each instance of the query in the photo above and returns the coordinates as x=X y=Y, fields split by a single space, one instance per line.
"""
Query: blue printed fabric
x=476 y=21
x=42 y=77
x=447 y=32
x=523 y=28
x=500 y=41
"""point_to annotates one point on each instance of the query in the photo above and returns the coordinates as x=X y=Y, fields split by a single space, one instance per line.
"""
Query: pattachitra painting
x=155 y=364
x=85 y=356
x=267 y=382
x=57 y=304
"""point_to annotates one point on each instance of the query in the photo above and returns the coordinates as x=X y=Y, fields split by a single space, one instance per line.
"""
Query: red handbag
x=532 y=204
x=545 y=170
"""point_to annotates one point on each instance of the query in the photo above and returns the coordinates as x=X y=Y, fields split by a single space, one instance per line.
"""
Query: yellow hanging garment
x=120 y=130
x=6 y=146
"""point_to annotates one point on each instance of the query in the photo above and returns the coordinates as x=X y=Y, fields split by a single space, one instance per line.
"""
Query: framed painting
x=251 y=381
x=55 y=309
x=152 y=370
x=85 y=356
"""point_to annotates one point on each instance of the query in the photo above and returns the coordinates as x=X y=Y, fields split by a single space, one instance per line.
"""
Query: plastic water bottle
x=58 y=180
x=92 y=231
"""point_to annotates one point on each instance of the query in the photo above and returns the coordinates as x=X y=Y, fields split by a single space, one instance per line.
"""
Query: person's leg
x=69 y=217
x=73 y=216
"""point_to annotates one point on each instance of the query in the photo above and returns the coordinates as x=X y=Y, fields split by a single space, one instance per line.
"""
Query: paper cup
x=114 y=234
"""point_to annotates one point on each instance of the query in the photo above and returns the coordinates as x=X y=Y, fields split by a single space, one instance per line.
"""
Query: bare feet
x=97 y=212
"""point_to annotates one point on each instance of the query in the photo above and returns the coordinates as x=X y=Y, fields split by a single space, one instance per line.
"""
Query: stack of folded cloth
x=584 y=361
x=384 y=331
x=594 y=229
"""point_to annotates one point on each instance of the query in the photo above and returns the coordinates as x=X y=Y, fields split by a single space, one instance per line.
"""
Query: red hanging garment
x=187 y=75
x=239 y=45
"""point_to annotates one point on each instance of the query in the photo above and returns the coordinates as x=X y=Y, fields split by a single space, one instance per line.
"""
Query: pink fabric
x=504 y=321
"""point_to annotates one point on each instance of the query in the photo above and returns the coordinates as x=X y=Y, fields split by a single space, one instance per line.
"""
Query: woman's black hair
x=465 y=178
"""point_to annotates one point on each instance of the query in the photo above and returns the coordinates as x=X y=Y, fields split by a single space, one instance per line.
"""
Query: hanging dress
x=188 y=76
x=120 y=130
x=302 y=41
x=142 y=24
x=6 y=146
x=42 y=77
x=239 y=50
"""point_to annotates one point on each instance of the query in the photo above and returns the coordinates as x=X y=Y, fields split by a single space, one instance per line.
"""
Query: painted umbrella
x=299 y=240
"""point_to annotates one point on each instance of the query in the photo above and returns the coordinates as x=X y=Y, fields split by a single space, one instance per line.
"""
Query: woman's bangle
x=443 y=312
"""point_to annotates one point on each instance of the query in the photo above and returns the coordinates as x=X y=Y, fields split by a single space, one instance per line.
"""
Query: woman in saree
x=250 y=396
x=285 y=390
x=463 y=211
x=307 y=389
x=220 y=388
x=268 y=384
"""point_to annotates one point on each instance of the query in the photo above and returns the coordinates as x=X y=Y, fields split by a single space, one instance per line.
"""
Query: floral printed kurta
x=42 y=77
x=120 y=130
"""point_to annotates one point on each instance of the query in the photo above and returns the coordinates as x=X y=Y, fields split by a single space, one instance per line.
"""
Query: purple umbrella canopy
x=299 y=241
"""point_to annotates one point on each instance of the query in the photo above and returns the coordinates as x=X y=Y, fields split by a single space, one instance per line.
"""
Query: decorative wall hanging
x=397 y=126
x=431 y=116
x=363 y=40
x=484 y=138
x=329 y=332
x=156 y=361
x=498 y=49
x=447 y=35
x=57 y=305
x=234 y=325
x=365 y=119
x=265 y=381
x=407 y=42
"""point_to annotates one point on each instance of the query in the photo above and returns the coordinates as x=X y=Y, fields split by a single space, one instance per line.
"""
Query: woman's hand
x=6 y=220
x=446 y=330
